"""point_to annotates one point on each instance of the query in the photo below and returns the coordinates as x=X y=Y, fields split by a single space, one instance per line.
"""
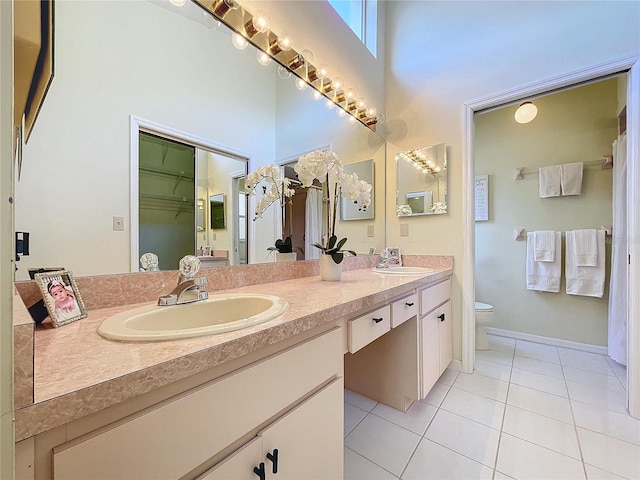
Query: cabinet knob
x=377 y=320
x=259 y=471
x=409 y=304
x=441 y=317
x=274 y=459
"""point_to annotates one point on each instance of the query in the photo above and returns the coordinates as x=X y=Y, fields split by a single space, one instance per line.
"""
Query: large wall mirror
x=421 y=176
x=176 y=67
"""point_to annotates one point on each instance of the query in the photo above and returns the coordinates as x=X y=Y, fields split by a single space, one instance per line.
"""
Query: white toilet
x=484 y=316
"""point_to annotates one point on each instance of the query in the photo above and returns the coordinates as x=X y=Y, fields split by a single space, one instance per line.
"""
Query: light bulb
x=526 y=112
x=300 y=84
x=177 y=3
x=283 y=73
x=285 y=42
x=211 y=22
x=381 y=118
x=263 y=58
x=323 y=71
x=337 y=83
x=307 y=55
x=261 y=21
x=342 y=112
x=239 y=41
x=316 y=95
x=361 y=103
x=351 y=94
x=371 y=112
x=329 y=104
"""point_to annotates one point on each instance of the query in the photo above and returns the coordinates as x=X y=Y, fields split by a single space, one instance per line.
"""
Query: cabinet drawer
x=365 y=329
x=434 y=296
x=402 y=310
x=152 y=445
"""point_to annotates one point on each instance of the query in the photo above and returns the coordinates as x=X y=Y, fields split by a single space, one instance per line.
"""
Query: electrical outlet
x=118 y=224
x=404 y=229
x=370 y=231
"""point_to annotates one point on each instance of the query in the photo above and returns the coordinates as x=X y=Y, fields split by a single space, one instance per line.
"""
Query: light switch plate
x=404 y=229
x=118 y=224
x=370 y=231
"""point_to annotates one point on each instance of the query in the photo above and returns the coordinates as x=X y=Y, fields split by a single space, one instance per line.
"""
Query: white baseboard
x=556 y=342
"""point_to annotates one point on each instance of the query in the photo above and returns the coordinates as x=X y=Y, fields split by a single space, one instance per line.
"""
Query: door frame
x=139 y=124
x=631 y=65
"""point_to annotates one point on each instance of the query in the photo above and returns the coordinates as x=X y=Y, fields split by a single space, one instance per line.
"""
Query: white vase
x=286 y=257
x=330 y=271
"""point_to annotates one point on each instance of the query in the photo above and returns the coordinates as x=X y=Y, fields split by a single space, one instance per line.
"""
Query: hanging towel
x=544 y=246
x=587 y=281
x=571 y=178
x=543 y=276
x=586 y=247
x=549 y=178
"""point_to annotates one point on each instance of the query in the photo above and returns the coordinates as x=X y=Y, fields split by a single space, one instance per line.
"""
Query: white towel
x=544 y=246
x=586 y=247
x=543 y=276
x=571 y=178
x=549 y=178
x=587 y=281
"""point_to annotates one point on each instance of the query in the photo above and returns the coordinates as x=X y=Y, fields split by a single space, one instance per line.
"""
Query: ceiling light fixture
x=526 y=112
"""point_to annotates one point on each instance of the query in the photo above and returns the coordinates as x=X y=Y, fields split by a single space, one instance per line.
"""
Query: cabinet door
x=429 y=352
x=239 y=465
x=308 y=440
x=445 y=335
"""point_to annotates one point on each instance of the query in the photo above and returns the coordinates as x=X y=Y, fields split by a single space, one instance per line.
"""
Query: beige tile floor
x=529 y=411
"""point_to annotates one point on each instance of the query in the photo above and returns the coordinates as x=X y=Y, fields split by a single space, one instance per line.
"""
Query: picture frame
x=61 y=297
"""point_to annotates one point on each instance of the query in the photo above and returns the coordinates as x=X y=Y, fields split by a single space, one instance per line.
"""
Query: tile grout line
x=504 y=414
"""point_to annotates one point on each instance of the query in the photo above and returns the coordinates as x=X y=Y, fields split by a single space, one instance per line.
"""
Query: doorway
x=632 y=65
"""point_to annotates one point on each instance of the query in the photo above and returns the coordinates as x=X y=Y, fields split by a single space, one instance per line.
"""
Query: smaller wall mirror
x=421 y=176
x=350 y=210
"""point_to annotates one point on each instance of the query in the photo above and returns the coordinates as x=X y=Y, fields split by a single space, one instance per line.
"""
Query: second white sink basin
x=218 y=314
x=404 y=270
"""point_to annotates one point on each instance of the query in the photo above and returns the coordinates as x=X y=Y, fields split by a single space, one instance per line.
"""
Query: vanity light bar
x=417 y=159
x=240 y=20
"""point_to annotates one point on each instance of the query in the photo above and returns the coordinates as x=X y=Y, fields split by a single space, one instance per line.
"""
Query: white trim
x=633 y=232
x=468 y=247
x=632 y=63
x=137 y=124
x=554 y=342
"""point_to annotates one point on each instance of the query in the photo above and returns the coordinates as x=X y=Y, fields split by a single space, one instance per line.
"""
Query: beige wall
x=574 y=125
x=441 y=55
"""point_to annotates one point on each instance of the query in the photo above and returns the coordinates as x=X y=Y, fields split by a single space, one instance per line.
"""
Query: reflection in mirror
x=350 y=210
x=422 y=181
x=79 y=157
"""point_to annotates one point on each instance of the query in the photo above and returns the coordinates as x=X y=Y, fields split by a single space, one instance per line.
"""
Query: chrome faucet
x=384 y=259
x=190 y=288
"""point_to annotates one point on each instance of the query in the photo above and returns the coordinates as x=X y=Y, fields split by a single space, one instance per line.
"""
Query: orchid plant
x=326 y=166
x=323 y=166
x=276 y=189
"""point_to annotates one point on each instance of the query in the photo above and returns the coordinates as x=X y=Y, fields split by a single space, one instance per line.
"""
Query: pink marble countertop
x=77 y=372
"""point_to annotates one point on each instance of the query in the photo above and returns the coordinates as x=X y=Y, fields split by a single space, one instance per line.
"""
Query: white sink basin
x=218 y=314
x=404 y=270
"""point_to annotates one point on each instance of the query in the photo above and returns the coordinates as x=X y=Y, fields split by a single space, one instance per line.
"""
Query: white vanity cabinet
x=290 y=401
x=300 y=445
x=435 y=333
x=400 y=366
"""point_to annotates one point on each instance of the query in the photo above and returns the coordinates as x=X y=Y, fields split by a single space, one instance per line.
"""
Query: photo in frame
x=61 y=297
